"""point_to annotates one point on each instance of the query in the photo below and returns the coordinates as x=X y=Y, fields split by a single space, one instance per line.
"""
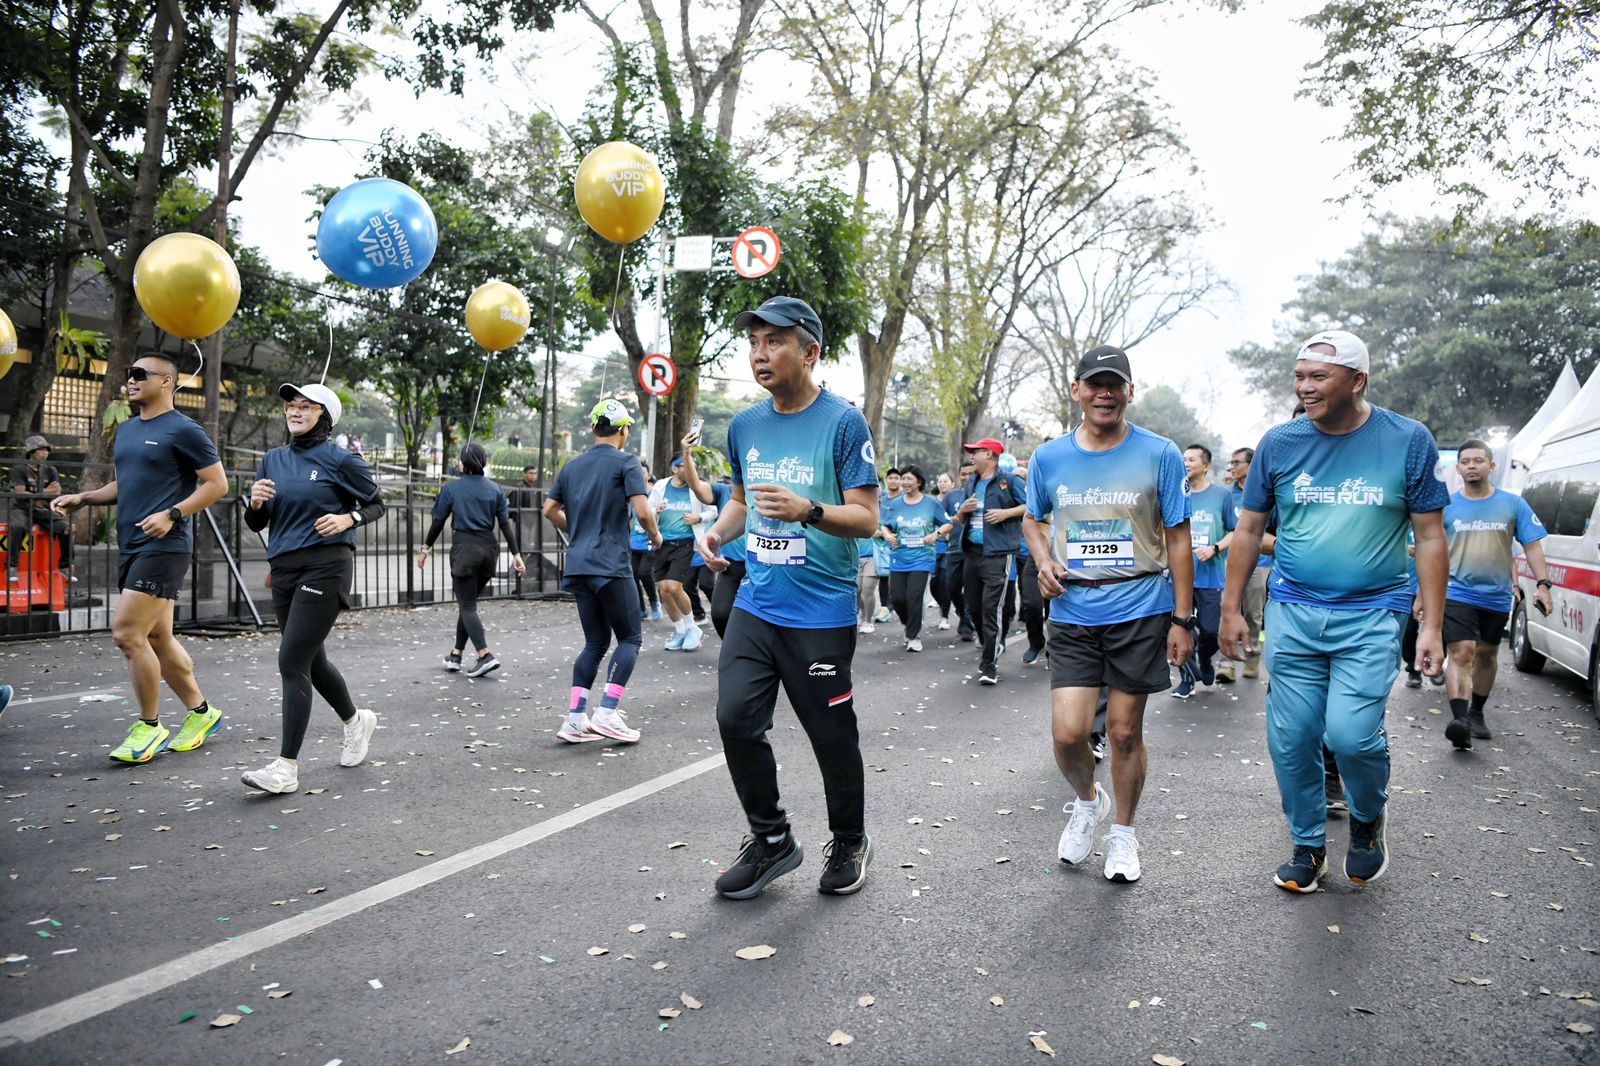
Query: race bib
x=1200 y=538
x=777 y=548
x=975 y=520
x=1099 y=544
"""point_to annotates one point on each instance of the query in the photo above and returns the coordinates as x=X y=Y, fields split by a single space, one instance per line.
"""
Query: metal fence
x=228 y=586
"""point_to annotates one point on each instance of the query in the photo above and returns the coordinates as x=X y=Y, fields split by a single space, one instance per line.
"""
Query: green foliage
x=1161 y=409
x=1464 y=332
x=29 y=234
x=1456 y=91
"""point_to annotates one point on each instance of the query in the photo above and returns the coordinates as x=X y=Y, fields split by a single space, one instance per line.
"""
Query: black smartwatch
x=1543 y=583
x=814 y=515
x=174 y=514
x=1179 y=620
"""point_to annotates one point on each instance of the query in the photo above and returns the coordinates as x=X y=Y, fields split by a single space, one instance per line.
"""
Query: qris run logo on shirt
x=1354 y=491
x=788 y=470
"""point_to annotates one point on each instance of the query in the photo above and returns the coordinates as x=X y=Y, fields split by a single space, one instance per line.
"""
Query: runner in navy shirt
x=595 y=498
x=166 y=472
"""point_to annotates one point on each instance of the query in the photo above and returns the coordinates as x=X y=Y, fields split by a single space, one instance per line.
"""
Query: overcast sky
x=1269 y=169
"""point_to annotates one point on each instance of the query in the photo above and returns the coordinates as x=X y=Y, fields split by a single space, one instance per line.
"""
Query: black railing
x=228 y=580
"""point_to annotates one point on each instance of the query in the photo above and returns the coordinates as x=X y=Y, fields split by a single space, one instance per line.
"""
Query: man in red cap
x=992 y=519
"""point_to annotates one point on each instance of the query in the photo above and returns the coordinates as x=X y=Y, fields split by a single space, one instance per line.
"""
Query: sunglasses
x=1236 y=462
x=139 y=373
x=301 y=405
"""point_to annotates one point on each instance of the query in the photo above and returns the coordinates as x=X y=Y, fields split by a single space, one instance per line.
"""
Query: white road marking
x=67 y=696
x=68 y=1012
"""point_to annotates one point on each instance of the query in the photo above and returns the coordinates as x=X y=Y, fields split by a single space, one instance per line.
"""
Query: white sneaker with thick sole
x=914 y=644
x=692 y=638
x=357 y=734
x=1122 y=858
x=279 y=775
x=577 y=732
x=613 y=724
x=1077 y=839
x=866 y=628
x=944 y=623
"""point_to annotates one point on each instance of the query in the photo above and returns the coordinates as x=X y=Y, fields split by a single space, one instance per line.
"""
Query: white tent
x=1564 y=398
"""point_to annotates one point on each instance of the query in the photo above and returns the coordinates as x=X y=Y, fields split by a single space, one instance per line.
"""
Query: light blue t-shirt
x=1211 y=518
x=975 y=519
x=680 y=501
x=1344 y=504
x=1109 y=512
x=733 y=551
x=911 y=523
x=1481 y=533
x=638 y=539
x=796 y=575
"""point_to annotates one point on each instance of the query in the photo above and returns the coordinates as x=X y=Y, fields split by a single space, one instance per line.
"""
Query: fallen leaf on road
x=1166 y=1060
x=1501 y=895
x=1003 y=810
x=1134 y=1004
x=1039 y=1045
x=637 y=927
x=759 y=951
x=1489 y=829
x=316 y=791
x=213 y=847
x=1477 y=937
x=599 y=951
x=161 y=829
x=658 y=966
x=668 y=1012
x=689 y=1001
x=1555 y=906
x=677 y=844
x=1001 y=859
x=113 y=836
x=996 y=1001
x=424 y=853
x=1581 y=1028
x=282 y=993
x=678 y=936
x=466 y=1042
x=222 y=1021
x=1333 y=928
x=840 y=1038
x=865 y=1001
x=1361 y=1010
x=314 y=891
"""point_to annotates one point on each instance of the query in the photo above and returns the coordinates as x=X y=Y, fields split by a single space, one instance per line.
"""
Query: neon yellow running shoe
x=197 y=726
x=143 y=743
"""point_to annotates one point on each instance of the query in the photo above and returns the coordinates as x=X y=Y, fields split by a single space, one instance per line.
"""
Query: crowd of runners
x=1330 y=554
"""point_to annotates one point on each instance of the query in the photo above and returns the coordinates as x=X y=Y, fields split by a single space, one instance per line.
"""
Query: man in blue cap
x=805 y=487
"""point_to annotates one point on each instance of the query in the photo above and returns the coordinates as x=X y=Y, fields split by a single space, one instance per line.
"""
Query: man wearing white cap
x=1347 y=480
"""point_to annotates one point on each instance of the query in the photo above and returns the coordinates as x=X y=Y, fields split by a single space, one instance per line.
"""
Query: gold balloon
x=620 y=191
x=497 y=315
x=8 y=344
x=187 y=284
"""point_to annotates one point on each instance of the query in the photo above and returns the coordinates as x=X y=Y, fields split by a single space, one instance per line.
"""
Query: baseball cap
x=783 y=311
x=1106 y=359
x=34 y=443
x=989 y=443
x=610 y=414
x=1348 y=350
x=316 y=394
x=677 y=461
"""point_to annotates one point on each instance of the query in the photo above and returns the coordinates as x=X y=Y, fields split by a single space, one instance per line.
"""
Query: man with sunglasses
x=166 y=471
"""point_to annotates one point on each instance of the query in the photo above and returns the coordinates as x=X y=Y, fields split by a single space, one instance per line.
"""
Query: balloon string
x=616 y=290
x=202 y=356
x=328 y=361
x=473 y=425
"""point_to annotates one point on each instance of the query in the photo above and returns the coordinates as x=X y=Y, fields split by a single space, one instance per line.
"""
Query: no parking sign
x=658 y=375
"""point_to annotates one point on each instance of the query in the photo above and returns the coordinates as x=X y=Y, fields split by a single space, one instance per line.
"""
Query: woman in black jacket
x=310 y=495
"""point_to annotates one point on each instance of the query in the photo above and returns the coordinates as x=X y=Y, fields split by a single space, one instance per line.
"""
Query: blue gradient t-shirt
x=1109 y=512
x=796 y=575
x=912 y=522
x=1344 y=503
x=1481 y=533
x=1212 y=518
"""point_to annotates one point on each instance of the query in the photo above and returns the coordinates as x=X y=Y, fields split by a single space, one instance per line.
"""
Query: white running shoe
x=866 y=628
x=613 y=724
x=1122 y=858
x=944 y=623
x=1077 y=840
x=279 y=775
x=574 y=733
x=357 y=734
x=692 y=638
x=914 y=644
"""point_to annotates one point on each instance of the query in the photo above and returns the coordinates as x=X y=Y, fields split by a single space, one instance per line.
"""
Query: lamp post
x=901 y=382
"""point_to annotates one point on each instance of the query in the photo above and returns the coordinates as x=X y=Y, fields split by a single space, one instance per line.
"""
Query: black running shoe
x=1368 y=856
x=988 y=677
x=759 y=864
x=452 y=662
x=1413 y=679
x=1436 y=680
x=1333 y=790
x=1304 y=870
x=845 y=865
x=1459 y=733
x=485 y=664
x=1480 y=728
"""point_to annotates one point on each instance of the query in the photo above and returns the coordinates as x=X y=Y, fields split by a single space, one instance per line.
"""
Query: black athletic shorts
x=675 y=561
x=1464 y=621
x=320 y=570
x=1128 y=656
x=474 y=555
x=153 y=573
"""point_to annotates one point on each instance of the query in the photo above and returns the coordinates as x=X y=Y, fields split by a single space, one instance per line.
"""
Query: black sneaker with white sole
x=486 y=664
x=758 y=865
x=988 y=677
x=845 y=865
x=452 y=662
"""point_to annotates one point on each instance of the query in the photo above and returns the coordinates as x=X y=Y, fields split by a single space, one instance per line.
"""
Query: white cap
x=316 y=394
x=1348 y=350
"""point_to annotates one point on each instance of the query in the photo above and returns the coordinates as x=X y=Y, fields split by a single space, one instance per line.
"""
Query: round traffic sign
x=657 y=374
x=756 y=252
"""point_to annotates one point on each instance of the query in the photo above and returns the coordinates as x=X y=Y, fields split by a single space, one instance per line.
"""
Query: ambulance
x=1563 y=489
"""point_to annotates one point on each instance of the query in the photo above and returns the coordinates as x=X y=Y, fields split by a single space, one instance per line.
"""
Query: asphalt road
x=1480 y=945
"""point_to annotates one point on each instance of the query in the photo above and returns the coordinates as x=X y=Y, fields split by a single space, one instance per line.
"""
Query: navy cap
x=783 y=311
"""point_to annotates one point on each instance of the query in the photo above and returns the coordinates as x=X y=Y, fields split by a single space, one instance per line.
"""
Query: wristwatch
x=175 y=514
x=355 y=517
x=1179 y=620
x=814 y=516
x=1544 y=583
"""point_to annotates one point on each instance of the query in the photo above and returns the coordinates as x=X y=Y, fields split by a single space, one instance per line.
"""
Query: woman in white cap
x=474 y=505
x=311 y=496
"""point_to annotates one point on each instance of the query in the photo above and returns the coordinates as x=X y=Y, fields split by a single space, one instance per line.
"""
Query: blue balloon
x=377 y=233
x=1008 y=463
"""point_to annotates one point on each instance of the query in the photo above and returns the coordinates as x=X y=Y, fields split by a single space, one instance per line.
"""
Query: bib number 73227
x=782 y=549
